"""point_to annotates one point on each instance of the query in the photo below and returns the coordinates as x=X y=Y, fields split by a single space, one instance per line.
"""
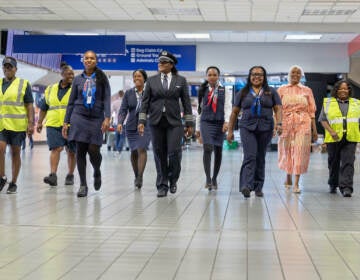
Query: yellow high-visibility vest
x=13 y=114
x=336 y=120
x=57 y=108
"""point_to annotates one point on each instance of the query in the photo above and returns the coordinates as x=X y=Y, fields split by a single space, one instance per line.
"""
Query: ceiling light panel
x=328 y=12
x=26 y=10
x=175 y=11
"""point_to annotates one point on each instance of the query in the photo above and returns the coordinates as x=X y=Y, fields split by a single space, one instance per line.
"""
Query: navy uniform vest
x=207 y=113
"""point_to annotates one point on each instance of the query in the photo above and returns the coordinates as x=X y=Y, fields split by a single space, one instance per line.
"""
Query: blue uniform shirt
x=264 y=121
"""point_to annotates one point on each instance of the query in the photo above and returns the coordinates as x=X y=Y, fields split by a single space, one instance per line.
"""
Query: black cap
x=167 y=56
x=9 y=60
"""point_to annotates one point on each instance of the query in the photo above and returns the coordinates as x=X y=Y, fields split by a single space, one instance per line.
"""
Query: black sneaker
x=12 y=188
x=51 y=179
x=3 y=181
x=83 y=191
x=69 y=180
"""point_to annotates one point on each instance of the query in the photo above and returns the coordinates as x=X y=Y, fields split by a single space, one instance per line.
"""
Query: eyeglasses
x=164 y=62
x=8 y=66
x=257 y=74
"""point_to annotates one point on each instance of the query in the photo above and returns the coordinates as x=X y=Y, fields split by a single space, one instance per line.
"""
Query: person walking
x=298 y=127
x=129 y=110
x=87 y=118
x=214 y=108
x=16 y=119
x=163 y=92
x=340 y=116
x=260 y=104
x=53 y=108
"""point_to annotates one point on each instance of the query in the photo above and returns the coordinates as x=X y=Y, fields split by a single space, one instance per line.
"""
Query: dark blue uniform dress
x=85 y=124
x=130 y=107
x=211 y=123
x=256 y=129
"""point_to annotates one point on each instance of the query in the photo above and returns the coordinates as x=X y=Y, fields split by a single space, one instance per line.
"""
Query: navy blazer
x=156 y=98
x=128 y=108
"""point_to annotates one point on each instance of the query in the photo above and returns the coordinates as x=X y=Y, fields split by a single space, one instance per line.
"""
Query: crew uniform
x=256 y=130
x=55 y=104
x=213 y=113
x=14 y=97
x=343 y=117
x=162 y=105
x=129 y=110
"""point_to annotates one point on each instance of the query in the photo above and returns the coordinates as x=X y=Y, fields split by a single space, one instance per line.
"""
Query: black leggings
x=95 y=160
x=207 y=161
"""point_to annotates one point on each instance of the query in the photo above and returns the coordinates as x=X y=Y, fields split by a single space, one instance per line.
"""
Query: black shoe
x=173 y=188
x=246 y=192
x=208 y=186
x=259 y=193
x=51 y=179
x=346 y=192
x=83 y=191
x=214 y=184
x=162 y=193
x=97 y=181
x=3 y=181
x=12 y=188
x=69 y=180
x=138 y=182
x=332 y=189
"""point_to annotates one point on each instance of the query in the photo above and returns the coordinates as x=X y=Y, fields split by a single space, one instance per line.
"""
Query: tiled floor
x=123 y=233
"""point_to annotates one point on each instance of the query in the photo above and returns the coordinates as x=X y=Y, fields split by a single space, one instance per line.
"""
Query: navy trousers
x=252 y=172
x=341 y=157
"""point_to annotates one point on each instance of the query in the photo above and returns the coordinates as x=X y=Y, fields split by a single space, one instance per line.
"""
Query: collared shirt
x=343 y=105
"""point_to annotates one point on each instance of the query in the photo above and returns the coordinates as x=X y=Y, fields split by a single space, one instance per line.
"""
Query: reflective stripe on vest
x=12 y=112
x=336 y=120
x=57 y=108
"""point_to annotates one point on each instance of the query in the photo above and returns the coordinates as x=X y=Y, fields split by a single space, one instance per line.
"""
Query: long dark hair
x=246 y=89
x=337 y=86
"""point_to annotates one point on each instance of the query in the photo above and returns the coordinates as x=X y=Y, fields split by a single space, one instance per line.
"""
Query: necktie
x=165 y=82
x=138 y=106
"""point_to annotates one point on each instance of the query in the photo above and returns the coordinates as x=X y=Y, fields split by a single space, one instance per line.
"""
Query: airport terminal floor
x=124 y=233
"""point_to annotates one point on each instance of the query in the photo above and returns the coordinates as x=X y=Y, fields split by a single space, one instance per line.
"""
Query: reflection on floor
x=123 y=233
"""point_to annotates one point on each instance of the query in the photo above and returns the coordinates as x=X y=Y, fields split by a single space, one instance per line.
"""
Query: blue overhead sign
x=66 y=44
x=140 y=56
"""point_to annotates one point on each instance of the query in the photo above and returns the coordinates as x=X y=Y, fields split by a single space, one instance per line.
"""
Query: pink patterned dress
x=298 y=107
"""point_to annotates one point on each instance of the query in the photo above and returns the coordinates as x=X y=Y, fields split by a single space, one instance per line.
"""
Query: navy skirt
x=136 y=141
x=85 y=129
x=211 y=132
